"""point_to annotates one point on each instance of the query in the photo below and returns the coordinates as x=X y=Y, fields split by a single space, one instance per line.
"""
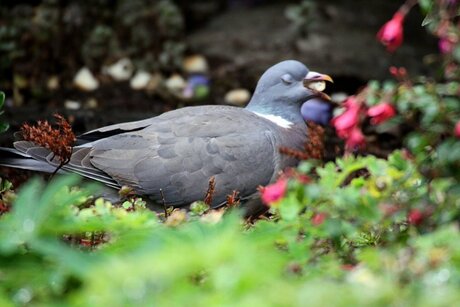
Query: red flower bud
x=457 y=130
x=345 y=122
x=274 y=192
x=391 y=33
x=355 y=139
x=445 y=45
x=415 y=217
x=381 y=113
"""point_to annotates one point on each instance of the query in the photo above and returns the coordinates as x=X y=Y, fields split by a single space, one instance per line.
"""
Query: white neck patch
x=284 y=123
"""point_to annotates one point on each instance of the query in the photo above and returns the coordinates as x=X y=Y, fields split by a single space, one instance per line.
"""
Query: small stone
x=140 y=80
x=72 y=105
x=154 y=82
x=122 y=70
x=213 y=216
x=53 y=83
x=85 y=80
x=237 y=97
x=175 y=83
x=91 y=103
x=176 y=218
x=197 y=87
x=195 y=64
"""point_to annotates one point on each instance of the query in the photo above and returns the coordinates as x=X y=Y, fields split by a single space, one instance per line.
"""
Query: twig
x=164 y=203
x=210 y=191
x=232 y=199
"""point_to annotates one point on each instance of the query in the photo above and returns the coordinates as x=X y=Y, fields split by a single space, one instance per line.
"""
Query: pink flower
x=457 y=130
x=355 y=139
x=391 y=33
x=273 y=192
x=345 y=122
x=445 y=45
x=381 y=113
x=318 y=218
x=415 y=217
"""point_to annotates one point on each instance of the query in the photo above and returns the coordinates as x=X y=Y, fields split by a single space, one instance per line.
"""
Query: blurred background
x=100 y=62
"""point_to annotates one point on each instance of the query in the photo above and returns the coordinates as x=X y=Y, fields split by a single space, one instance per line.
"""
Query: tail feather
x=14 y=158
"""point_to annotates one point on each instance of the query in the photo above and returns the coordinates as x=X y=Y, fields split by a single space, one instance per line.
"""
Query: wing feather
x=179 y=152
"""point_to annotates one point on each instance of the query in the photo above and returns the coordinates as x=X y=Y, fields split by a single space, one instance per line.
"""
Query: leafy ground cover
x=361 y=230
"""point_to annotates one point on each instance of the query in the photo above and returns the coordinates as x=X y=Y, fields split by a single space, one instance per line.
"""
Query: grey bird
x=171 y=157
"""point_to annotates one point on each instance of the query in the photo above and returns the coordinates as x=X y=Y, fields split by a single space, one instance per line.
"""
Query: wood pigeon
x=171 y=157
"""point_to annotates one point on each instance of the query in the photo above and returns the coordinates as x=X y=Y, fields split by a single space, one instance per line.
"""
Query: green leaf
x=429 y=18
x=127 y=204
x=425 y=5
x=289 y=208
x=456 y=53
x=2 y=99
x=5 y=185
x=34 y=207
x=3 y=127
x=449 y=151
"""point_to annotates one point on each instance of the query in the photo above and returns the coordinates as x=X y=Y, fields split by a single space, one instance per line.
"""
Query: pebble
x=237 y=97
x=175 y=83
x=122 y=70
x=53 y=83
x=195 y=64
x=72 y=105
x=155 y=80
x=85 y=80
x=91 y=103
x=140 y=80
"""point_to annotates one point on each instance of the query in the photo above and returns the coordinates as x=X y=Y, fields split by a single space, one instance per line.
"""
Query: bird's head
x=289 y=89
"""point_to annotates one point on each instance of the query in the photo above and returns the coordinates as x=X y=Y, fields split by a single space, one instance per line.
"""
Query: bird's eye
x=287 y=79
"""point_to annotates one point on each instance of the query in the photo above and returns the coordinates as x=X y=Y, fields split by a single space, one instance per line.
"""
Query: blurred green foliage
x=428 y=112
x=58 y=246
x=302 y=16
x=363 y=231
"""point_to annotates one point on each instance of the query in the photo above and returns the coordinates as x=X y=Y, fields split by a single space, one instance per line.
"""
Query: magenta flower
x=355 y=139
x=381 y=113
x=273 y=192
x=415 y=217
x=391 y=33
x=445 y=45
x=345 y=122
x=457 y=130
x=318 y=218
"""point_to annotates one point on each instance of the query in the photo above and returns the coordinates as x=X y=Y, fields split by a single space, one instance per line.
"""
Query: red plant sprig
x=233 y=199
x=58 y=139
x=210 y=192
x=313 y=148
